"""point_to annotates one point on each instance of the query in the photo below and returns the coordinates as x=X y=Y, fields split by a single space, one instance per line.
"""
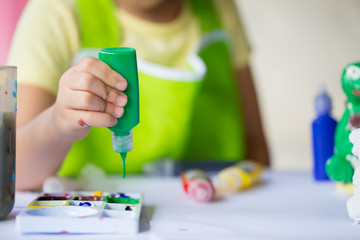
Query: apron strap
x=206 y=14
x=210 y=23
x=98 y=18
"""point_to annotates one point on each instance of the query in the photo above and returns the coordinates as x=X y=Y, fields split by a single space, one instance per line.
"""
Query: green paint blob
x=123 y=158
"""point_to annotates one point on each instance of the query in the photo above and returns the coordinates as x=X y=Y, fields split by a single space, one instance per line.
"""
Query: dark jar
x=7 y=138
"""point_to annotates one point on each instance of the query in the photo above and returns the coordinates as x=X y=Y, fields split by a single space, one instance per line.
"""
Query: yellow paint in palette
x=42 y=204
x=97 y=193
x=238 y=177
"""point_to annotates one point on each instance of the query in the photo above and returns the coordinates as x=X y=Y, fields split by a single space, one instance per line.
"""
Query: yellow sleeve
x=44 y=43
x=233 y=25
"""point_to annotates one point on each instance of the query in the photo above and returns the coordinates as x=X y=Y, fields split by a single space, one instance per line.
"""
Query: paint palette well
x=82 y=212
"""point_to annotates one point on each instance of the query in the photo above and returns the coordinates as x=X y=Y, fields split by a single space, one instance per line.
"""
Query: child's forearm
x=90 y=94
x=40 y=151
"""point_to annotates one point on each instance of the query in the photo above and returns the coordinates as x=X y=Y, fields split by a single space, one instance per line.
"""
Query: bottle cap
x=322 y=102
x=229 y=181
x=201 y=190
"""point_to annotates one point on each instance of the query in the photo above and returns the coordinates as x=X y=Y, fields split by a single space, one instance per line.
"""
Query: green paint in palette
x=132 y=201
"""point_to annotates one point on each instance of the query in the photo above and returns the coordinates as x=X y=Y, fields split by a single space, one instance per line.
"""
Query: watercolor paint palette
x=82 y=212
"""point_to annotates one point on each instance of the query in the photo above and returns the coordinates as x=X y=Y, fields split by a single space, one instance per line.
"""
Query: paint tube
x=238 y=177
x=197 y=185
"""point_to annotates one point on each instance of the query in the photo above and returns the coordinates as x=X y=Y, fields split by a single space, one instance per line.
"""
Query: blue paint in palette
x=119 y=195
x=85 y=204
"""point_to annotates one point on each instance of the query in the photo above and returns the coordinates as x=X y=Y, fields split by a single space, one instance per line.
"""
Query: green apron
x=184 y=114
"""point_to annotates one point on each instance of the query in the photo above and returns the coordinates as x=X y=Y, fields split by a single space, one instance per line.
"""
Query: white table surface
x=284 y=206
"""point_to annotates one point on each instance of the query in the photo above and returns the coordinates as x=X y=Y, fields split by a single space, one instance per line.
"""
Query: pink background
x=10 y=11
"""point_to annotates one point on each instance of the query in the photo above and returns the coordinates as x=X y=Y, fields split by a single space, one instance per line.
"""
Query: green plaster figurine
x=340 y=167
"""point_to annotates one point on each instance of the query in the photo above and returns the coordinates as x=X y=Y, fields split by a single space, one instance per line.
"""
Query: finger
x=81 y=100
x=87 y=82
x=102 y=71
x=93 y=119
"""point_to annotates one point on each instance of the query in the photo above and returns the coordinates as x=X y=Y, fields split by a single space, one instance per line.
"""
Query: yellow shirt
x=47 y=39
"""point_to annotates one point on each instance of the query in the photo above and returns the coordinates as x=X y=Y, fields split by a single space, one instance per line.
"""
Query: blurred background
x=296 y=46
x=10 y=11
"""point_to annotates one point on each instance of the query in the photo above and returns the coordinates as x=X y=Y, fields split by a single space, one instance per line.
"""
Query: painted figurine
x=353 y=204
x=340 y=167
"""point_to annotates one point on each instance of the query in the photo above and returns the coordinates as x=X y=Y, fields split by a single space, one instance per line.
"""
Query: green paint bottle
x=123 y=61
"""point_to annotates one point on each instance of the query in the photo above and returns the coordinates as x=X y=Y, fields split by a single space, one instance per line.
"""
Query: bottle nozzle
x=122 y=143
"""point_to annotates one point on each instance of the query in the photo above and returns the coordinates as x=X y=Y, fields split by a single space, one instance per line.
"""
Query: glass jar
x=7 y=138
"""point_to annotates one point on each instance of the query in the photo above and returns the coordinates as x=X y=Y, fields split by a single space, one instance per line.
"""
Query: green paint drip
x=123 y=158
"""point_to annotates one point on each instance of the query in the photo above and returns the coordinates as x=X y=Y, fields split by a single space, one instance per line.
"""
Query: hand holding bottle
x=90 y=94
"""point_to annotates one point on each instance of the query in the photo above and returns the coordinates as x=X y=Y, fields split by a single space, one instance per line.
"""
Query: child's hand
x=90 y=94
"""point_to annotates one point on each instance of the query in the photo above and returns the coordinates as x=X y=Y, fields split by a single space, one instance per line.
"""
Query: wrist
x=57 y=126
